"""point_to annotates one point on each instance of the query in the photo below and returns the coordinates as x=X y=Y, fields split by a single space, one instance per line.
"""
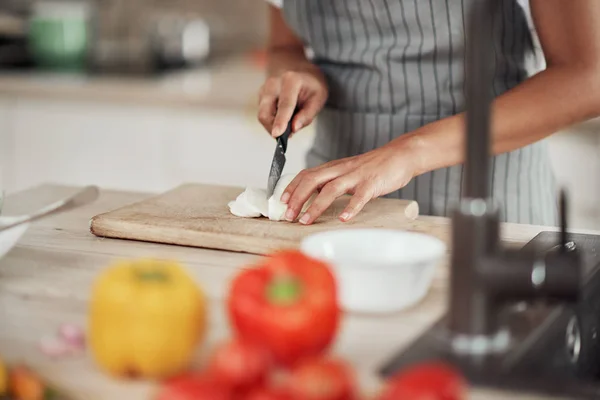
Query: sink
x=553 y=347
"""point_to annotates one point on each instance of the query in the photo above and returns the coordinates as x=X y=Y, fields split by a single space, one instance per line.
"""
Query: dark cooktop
x=555 y=348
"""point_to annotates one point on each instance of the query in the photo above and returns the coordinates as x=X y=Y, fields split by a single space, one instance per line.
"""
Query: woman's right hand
x=302 y=91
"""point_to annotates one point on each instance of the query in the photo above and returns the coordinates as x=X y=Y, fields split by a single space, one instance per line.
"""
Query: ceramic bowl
x=378 y=270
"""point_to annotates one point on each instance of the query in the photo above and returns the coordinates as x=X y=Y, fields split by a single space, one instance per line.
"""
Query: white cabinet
x=6 y=144
x=70 y=143
x=135 y=148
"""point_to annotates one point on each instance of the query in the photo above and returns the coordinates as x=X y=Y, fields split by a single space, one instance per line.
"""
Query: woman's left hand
x=365 y=177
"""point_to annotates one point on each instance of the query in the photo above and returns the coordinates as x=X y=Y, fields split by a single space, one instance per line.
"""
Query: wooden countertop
x=45 y=281
x=227 y=83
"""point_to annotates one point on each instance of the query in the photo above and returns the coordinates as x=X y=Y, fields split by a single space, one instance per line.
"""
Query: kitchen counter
x=46 y=279
x=227 y=83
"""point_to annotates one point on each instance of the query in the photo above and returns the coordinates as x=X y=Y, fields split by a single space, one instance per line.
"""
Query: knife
x=278 y=159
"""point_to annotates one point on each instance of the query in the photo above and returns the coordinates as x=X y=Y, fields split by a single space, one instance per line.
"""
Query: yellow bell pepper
x=146 y=319
x=3 y=378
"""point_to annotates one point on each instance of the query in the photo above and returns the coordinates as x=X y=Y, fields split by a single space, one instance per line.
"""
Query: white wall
x=576 y=159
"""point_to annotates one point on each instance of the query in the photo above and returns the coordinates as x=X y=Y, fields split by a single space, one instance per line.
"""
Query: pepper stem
x=284 y=291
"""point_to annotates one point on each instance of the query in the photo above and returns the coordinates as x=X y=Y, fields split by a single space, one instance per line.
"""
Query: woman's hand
x=365 y=177
x=281 y=95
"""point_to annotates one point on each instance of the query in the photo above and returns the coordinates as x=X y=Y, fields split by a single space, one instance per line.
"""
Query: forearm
x=285 y=49
x=548 y=102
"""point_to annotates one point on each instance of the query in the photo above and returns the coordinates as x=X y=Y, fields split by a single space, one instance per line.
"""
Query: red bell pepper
x=268 y=393
x=193 y=386
x=323 y=379
x=426 y=381
x=288 y=304
x=240 y=365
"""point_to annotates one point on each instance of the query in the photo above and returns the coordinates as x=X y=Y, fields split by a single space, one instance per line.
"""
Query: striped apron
x=395 y=65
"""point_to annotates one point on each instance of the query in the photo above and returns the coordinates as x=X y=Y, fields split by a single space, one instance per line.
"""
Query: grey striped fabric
x=395 y=65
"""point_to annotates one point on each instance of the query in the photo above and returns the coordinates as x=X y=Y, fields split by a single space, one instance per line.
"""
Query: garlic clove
x=72 y=334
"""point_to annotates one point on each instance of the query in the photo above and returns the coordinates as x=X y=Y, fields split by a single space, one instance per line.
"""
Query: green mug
x=59 y=36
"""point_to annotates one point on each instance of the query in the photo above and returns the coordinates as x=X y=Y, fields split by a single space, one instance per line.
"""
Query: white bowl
x=9 y=238
x=378 y=270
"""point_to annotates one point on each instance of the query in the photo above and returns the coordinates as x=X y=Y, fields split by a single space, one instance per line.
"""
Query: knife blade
x=278 y=159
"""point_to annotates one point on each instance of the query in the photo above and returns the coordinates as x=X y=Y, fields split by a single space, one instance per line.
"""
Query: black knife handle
x=283 y=139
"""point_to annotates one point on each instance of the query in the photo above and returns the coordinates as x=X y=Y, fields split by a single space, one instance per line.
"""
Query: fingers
x=299 y=191
x=291 y=187
x=306 y=183
x=343 y=164
x=328 y=195
x=280 y=98
x=361 y=197
x=288 y=99
x=266 y=112
x=267 y=103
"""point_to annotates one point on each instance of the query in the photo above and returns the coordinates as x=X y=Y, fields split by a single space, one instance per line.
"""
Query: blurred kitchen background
x=146 y=94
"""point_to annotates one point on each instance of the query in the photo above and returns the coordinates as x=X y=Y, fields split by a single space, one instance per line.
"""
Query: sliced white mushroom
x=257 y=199
x=253 y=203
x=242 y=209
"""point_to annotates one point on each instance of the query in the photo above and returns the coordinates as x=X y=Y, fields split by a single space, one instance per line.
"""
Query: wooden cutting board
x=197 y=215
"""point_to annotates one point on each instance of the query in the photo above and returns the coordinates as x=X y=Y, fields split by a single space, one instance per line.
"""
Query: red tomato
x=240 y=364
x=268 y=394
x=287 y=303
x=427 y=381
x=192 y=386
x=322 y=379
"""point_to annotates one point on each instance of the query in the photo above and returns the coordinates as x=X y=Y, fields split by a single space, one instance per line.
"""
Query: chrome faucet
x=484 y=277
